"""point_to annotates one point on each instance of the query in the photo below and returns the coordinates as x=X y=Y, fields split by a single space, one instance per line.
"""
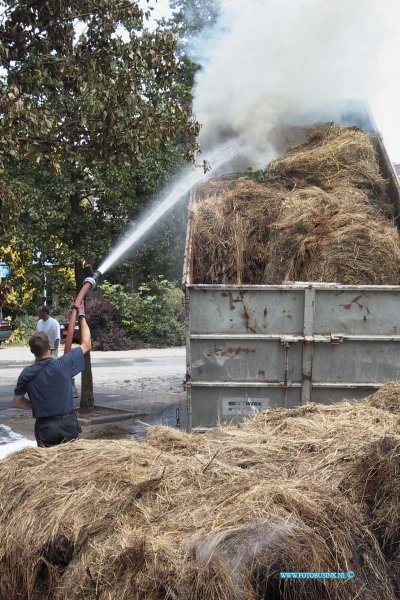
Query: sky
x=267 y=61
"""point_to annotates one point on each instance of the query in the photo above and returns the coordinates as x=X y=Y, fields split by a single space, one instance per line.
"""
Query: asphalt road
x=146 y=382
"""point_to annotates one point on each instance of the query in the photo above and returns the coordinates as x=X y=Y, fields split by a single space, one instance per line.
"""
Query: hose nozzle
x=93 y=280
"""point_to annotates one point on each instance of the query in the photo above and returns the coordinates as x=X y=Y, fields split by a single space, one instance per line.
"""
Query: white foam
x=10 y=441
x=7 y=449
x=7 y=434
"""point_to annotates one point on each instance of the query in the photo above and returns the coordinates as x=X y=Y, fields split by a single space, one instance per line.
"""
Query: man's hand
x=80 y=308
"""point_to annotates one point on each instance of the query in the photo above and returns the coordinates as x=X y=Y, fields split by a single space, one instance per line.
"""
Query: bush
x=154 y=317
x=23 y=327
x=106 y=333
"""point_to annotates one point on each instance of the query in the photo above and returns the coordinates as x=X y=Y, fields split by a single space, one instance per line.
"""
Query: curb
x=113 y=415
x=109 y=419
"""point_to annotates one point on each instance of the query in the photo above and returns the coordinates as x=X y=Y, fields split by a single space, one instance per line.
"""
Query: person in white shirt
x=51 y=327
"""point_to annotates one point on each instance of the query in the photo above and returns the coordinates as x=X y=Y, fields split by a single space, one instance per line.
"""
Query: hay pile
x=232 y=222
x=387 y=398
x=338 y=236
x=308 y=220
x=210 y=516
x=330 y=157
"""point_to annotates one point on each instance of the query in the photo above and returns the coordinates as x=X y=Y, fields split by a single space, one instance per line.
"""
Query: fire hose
x=90 y=283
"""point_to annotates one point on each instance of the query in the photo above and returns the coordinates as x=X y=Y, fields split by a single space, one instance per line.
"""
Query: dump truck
x=254 y=347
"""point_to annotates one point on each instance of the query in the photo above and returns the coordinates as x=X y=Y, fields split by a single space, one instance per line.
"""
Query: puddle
x=174 y=415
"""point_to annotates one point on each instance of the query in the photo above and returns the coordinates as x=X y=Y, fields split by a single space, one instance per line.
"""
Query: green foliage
x=10 y=206
x=191 y=17
x=154 y=317
x=28 y=277
x=23 y=328
x=102 y=96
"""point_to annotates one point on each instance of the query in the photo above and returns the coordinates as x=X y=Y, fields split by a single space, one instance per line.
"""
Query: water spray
x=222 y=154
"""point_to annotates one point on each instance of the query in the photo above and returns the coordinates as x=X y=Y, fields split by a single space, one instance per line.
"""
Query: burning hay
x=309 y=220
x=331 y=157
x=322 y=236
x=231 y=230
x=210 y=516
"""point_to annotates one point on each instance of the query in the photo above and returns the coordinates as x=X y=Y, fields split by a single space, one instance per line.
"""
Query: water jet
x=220 y=155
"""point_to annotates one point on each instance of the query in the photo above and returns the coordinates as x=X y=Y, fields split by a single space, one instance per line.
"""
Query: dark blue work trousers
x=52 y=431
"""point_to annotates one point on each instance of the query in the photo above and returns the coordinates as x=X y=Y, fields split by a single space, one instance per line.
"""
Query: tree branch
x=88 y=14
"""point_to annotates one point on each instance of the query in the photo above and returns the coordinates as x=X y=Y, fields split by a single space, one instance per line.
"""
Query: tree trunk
x=87 y=398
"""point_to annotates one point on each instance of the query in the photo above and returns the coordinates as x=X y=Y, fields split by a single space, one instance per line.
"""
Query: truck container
x=254 y=347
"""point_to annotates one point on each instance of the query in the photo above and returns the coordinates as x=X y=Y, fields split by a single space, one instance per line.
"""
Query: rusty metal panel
x=362 y=310
x=249 y=310
x=359 y=362
x=244 y=360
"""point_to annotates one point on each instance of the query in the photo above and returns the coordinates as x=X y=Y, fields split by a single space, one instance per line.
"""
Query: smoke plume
x=268 y=62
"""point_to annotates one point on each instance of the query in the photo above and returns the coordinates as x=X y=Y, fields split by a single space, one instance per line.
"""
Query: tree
x=191 y=17
x=72 y=107
x=75 y=105
x=10 y=206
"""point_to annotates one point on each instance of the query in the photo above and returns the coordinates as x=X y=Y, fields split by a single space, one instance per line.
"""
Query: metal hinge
x=185 y=300
x=336 y=338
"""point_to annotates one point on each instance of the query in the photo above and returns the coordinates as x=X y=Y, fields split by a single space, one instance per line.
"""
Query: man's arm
x=57 y=336
x=86 y=342
x=21 y=402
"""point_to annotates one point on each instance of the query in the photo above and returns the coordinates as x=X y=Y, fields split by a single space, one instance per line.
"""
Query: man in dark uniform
x=48 y=385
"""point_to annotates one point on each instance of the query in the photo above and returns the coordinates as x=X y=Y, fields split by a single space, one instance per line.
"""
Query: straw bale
x=351 y=446
x=354 y=447
x=74 y=493
x=320 y=236
x=331 y=156
x=231 y=223
x=288 y=526
x=395 y=572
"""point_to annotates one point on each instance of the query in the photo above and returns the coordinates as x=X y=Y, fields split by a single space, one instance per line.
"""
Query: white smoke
x=273 y=61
